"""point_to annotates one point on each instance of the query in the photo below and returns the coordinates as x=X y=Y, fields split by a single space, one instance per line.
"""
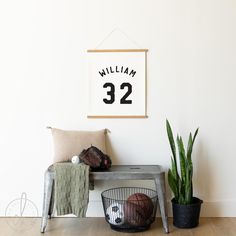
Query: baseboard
x=209 y=209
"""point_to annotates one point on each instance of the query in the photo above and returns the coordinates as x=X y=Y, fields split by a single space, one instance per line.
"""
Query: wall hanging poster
x=117 y=86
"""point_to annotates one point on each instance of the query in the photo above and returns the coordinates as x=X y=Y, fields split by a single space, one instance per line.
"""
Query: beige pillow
x=68 y=143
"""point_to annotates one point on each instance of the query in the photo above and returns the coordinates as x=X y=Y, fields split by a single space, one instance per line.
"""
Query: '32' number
x=111 y=93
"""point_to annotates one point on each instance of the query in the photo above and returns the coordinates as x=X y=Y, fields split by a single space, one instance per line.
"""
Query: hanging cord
x=121 y=31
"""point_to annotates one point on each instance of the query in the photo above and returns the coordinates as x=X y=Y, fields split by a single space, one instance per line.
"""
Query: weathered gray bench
x=116 y=172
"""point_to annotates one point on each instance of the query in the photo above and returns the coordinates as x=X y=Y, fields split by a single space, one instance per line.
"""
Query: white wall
x=191 y=81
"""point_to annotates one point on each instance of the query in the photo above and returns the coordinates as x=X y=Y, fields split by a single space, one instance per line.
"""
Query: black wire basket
x=129 y=209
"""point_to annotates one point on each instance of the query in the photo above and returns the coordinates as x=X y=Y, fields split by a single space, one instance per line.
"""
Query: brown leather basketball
x=134 y=214
x=138 y=208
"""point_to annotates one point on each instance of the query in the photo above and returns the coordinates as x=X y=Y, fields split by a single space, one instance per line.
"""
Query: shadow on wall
x=203 y=180
x=110 y=151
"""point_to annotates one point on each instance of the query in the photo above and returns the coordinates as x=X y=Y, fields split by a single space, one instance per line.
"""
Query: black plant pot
x=186 y=216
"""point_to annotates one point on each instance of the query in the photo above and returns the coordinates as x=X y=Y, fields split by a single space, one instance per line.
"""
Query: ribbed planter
x=186 y=216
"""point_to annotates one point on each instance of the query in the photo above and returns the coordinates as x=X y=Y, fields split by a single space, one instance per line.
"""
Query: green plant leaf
x=188 y=184
x=190 y=143
x=190 y=146
x=171 y=140
x=191 y=177
x=174 y=178
x=173 y=149
x=182 y=158
x=173 y=184
x=181 y=192
x=173 y=169
x=195 y=134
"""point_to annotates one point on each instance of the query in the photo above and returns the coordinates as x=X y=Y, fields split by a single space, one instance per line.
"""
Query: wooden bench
x=116 y=172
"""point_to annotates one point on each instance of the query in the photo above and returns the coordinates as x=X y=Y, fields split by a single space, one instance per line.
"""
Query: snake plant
x=180 y=182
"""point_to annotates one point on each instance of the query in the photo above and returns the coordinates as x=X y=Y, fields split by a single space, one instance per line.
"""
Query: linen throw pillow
x=69 y=143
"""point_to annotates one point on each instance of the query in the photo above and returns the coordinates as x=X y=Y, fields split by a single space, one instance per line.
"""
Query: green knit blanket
x=71 y=188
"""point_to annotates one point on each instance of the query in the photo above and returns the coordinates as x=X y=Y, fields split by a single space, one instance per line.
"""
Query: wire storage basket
x=129 y=209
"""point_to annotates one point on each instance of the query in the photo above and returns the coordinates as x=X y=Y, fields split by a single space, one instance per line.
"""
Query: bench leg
x=51 y=202
x=161 y=192
x=48 y=182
